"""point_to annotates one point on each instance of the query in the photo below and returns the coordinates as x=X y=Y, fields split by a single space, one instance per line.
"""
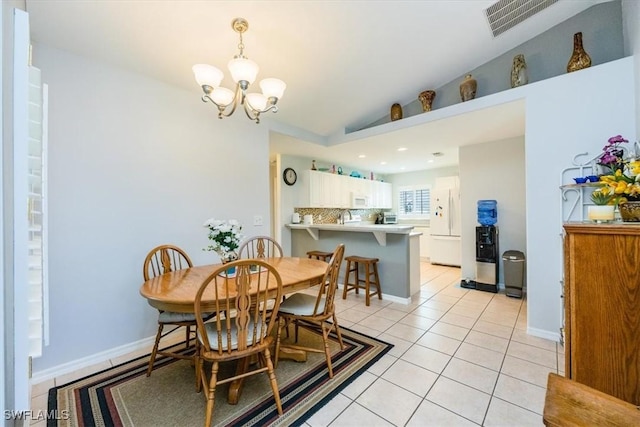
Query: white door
x=440 y=225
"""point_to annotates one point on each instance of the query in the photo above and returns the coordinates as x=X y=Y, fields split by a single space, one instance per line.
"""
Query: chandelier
x=244 y=72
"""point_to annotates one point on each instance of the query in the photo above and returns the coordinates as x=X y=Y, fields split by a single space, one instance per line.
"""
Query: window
x=415 y=202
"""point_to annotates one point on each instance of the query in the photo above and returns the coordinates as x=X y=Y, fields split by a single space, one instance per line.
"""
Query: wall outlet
x=257 y=220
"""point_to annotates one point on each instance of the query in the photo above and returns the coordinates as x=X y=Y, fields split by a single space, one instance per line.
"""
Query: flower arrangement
x=620 y=183
x=225 y=238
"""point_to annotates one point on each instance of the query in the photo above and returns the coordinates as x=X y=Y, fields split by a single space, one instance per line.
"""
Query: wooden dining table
x=176 y=291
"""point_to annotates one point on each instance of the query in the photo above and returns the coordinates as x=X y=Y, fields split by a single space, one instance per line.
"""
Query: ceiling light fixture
x=244 y=72
x=402 y=149
x=361 y=156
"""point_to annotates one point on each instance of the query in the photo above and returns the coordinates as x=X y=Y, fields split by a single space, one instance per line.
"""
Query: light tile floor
x=460 y=358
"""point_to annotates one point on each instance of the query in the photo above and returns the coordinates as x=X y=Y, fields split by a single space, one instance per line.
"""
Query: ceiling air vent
x=506 y=14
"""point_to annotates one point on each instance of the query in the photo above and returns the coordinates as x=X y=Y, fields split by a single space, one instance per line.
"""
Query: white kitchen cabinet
x=381 y=195
x=316 y=197
x=323 y=190
x=327 y=190
x=360 y=187
x=338 y=190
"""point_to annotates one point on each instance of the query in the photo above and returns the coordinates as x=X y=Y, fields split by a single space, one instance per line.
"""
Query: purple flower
x=607 y=158
x=617 y=140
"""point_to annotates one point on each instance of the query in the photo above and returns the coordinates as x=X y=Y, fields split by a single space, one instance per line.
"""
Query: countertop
x=380 y=231
x=357 y=227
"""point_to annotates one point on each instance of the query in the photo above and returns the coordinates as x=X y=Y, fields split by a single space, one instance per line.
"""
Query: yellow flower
x=620 y=188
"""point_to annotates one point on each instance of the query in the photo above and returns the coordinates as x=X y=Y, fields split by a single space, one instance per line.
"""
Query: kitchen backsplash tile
x=330 y=216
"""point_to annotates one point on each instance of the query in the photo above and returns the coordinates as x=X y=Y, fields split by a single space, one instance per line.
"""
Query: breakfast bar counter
x=396 y=246
x=379 y=231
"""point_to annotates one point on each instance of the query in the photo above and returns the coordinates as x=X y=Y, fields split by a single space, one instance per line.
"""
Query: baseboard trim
x=65 y=368
x=542 y=333
x=392 y=298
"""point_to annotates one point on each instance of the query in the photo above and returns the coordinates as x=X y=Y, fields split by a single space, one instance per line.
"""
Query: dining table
x=176 y=291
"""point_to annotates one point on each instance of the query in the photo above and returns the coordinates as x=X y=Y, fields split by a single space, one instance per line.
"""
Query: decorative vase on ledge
x=426 y=99
x=579 y=59
x=468 y=88
x=519 y=76
x=396 y=112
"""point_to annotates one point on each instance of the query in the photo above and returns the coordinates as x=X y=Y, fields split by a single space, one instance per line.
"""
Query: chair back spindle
x=260 y=247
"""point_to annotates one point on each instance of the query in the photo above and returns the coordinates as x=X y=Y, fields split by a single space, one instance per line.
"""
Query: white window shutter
x=36 y=211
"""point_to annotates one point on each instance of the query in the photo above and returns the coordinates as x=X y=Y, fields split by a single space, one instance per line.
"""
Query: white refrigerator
x=445 y=227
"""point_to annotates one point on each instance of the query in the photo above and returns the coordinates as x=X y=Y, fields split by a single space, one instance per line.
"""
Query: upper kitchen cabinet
x=323 y=190
x=381 y=195
x=326 y=190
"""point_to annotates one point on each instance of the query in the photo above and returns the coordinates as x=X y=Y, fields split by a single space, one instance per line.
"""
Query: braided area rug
x=124 y=396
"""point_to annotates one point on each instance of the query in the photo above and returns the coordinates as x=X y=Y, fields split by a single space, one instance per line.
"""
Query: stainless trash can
x=513 y=263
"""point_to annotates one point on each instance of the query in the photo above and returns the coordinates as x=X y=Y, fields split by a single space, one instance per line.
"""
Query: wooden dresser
x=602 y=307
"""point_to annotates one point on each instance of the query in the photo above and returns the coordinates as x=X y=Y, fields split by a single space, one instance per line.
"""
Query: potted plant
x=603 y=209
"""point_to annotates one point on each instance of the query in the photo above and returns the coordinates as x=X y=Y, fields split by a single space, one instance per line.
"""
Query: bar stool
x=370 y=269
x=321 y=255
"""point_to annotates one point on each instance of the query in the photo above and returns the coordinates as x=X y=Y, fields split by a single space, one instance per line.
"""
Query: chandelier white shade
x=243 y=72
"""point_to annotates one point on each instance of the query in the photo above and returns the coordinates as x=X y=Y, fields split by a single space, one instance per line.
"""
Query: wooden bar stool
x=321 y=255
x=370 y=277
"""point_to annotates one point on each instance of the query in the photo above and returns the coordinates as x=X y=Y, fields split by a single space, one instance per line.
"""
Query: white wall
x=134 y=163
x=290 y=195
x=565 y=116
x=631 y=32
x=495 y=171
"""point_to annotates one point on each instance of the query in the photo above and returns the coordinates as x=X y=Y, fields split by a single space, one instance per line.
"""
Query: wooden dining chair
x=315 y=311
x=245 y=332
x=260 y=247
x=160 y=260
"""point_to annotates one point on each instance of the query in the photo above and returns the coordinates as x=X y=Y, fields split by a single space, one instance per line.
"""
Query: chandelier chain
x=241 y=46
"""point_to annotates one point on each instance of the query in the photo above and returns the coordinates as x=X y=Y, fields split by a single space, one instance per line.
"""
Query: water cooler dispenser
x=487 y=258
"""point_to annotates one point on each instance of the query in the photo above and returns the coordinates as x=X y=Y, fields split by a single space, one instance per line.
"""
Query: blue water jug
x=487 y=212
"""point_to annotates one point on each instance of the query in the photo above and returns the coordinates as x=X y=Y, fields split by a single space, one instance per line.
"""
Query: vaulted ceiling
x=344 y=62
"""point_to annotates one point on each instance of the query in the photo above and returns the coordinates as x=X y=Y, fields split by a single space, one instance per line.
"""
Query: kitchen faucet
x=341 y=217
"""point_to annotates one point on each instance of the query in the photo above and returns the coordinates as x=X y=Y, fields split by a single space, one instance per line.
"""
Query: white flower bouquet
x=225 y=238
